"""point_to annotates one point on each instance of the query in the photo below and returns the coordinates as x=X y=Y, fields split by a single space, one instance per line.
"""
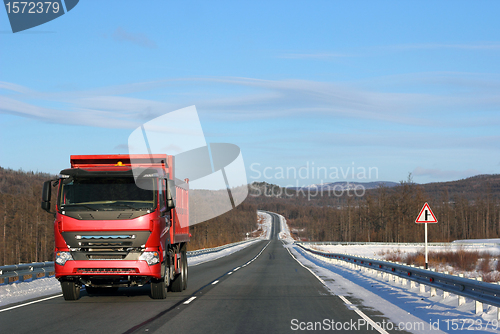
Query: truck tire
x=159 y=286
x=185 y=269
x=71 y=290
x=178 y=282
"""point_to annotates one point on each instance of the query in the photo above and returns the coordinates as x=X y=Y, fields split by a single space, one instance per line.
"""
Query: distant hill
x=470 y=188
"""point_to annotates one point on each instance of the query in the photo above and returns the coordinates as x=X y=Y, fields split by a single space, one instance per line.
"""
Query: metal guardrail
x=30 y=271
x=25 y=272
x=483 y=292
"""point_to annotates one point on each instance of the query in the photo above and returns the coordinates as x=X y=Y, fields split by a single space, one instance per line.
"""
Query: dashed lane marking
x=189 y=300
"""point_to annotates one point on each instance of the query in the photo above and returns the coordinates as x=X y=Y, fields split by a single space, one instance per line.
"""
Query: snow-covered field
x=383 y=251
x=378 y=251
x=401 y=307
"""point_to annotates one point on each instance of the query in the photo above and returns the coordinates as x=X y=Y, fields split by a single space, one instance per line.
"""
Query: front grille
x=106 y=244
x=106 y=257
x=106 y=271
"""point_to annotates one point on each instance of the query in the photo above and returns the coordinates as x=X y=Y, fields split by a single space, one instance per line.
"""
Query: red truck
x=116 y=230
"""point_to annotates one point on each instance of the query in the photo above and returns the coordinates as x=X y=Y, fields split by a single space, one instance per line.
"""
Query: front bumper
x=107 y=268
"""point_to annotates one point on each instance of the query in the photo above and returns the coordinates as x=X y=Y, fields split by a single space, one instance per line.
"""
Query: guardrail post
x=461 y=299
x=422 y=287
x=413 y=284
x=479 y=305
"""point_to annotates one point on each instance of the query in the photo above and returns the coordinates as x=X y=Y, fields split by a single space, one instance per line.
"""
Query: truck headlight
x=150 y=257
x=62 y=257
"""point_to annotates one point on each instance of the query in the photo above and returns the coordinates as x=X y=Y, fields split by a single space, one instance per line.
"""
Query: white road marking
x=348 y=303
x=33 y=302
x=215 y=282
x=189 y=300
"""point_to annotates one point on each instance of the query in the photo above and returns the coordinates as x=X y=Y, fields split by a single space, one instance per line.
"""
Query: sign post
x=426 y=216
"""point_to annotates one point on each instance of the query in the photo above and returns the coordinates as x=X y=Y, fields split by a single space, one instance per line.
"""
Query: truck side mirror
x=170 y=198
x=46 y=194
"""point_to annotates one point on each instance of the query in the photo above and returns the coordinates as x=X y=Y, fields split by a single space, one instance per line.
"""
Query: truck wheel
x=159 y=286
x=178 y=282
x=185 y=270
x=71 y=290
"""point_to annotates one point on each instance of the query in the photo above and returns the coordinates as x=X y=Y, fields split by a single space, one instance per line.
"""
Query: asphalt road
x=260 y=289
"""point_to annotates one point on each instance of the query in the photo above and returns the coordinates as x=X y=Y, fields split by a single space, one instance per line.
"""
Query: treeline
x=26 y=233
x=227 y=228
x=470 y=211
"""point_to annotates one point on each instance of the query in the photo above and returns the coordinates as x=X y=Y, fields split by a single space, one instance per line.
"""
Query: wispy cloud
x=445 y=174
x=259 y=99
x=140 y=39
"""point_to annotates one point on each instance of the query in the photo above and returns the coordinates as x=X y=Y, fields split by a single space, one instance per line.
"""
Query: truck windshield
x=106 y=193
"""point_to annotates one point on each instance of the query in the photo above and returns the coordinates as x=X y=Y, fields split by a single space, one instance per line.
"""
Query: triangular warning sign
x=426 y=215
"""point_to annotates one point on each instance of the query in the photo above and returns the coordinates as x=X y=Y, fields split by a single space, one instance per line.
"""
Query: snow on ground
x=378 y=251
x=266 y=224
x=18 y=292
x=496 y=241
x=401 y=307
x=202 y=258
x=285 y=234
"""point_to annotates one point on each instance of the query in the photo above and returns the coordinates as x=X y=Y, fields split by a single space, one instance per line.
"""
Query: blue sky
x=397 y=86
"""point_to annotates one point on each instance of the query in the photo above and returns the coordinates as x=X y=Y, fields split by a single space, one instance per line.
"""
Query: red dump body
x=109 y=232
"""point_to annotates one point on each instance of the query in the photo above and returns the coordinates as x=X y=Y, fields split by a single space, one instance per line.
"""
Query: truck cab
x=120 y=221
